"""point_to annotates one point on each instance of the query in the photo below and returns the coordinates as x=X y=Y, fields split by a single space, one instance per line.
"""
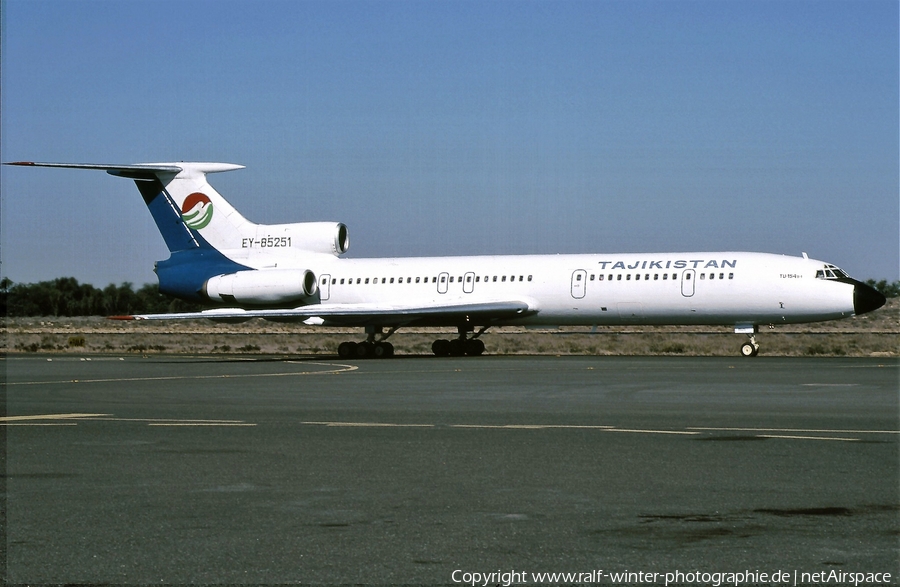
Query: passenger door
x=579 y=277
x=688 y=277
x=469 y=282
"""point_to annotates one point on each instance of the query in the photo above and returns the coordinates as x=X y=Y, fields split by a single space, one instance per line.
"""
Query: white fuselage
x=666 y=288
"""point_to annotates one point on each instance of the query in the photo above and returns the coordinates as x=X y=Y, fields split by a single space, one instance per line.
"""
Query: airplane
x=295 y=273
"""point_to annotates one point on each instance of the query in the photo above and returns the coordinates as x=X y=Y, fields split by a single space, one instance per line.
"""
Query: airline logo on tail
x=197 y=211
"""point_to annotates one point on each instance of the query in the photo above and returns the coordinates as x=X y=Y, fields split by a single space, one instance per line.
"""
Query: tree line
x=64 y=296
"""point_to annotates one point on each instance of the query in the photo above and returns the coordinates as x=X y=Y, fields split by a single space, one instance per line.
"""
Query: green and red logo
x=197 y=211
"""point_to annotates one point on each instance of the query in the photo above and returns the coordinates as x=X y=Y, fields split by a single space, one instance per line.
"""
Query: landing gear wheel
x=347 y=350
x=441 y=347
x=457 y=347
x=365 y=350
x=474 y=347
x=749 y=349
x=383 y=350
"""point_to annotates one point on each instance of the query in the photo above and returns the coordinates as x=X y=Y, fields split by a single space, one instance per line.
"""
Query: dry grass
x=874 y=334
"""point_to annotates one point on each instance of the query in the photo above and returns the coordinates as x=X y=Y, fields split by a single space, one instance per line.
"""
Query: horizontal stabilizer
x=139 y=170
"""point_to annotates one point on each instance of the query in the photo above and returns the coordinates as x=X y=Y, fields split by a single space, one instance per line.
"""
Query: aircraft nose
x=866 y=298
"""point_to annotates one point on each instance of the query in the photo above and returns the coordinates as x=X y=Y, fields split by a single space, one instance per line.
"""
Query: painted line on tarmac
x=807 y=430
x=41 y=420
x=49 y=417
x=501 y=427
x=340 y=369
x=8 y=424
x=529 y=426
x=368 y=425
x=806 y=437
x=201 y=424
x=682 y=432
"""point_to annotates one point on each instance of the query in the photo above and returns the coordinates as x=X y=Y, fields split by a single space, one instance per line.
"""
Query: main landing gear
x=374 y=347
x=460 y=346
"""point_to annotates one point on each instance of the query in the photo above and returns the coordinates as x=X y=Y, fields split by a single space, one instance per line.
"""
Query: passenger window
x=731 y=276
x=619 y=278
x=665 y=275
x=656 y=277
x=342 y=281
x=637 y=277
x=443 y=279
x=687 y=276
x=599 y=278
x=417 y=279
x=647 y=276
x=451 y=279
x=703 y=276
x=712 y=275
x=721 y=276
x=468 y=279
x=367 y=280
x=529 y=278
x=578 y=277
x=359 y=280
x=477 y=279
x=383 y=279
x=504 y=279
x=495 y=279
x=628 y=277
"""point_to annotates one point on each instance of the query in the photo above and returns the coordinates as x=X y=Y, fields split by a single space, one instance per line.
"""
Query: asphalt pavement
x=272 y=470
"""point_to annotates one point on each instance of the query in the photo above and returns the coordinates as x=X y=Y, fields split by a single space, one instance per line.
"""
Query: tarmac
x=274 y=470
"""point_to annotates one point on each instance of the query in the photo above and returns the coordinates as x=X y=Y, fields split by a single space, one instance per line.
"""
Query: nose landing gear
x=750 y=349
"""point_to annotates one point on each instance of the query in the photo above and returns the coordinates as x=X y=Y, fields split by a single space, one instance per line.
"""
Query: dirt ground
x=874 y=334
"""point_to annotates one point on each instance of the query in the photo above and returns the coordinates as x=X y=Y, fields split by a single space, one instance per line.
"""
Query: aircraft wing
x=365 y=314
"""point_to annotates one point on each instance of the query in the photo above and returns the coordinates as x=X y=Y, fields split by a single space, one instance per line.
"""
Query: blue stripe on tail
x=167 y=216
x=193 y=260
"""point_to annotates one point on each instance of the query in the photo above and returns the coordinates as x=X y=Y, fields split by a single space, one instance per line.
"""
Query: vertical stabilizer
x=189 y=212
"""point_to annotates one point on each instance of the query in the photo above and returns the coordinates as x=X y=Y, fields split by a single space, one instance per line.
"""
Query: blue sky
x=434 y=128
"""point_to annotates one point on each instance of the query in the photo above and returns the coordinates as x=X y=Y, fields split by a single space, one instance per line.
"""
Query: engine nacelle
x=314 y=237
x=262 y=287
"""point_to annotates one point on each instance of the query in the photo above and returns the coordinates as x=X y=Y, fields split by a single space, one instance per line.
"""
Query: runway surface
x=267 y=470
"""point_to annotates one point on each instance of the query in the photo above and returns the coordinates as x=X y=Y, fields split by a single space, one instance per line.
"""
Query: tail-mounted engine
x=315 y=237
x=262 y=287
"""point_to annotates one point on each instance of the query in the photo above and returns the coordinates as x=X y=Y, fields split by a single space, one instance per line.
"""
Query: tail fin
x=189 y=213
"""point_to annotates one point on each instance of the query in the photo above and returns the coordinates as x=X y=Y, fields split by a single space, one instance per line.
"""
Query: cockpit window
x=831 y=272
